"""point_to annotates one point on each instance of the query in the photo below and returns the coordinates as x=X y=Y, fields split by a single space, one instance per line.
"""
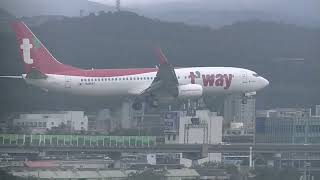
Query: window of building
x=300 y=128
x=52 y=123
x=82 y=123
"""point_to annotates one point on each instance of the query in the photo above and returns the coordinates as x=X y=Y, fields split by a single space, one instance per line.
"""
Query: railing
x=77 y=140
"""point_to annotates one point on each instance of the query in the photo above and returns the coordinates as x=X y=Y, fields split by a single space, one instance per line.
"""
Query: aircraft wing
x=166 y=81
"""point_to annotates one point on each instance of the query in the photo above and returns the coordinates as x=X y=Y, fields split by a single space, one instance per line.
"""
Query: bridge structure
x=16 y=143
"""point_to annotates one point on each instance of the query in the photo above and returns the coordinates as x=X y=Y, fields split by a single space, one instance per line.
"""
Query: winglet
x=162 y=57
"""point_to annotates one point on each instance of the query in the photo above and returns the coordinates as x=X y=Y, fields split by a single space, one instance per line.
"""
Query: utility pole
x=250 y=157
x=118 y=5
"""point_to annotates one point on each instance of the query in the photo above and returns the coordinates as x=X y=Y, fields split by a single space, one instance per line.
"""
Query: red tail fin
x=34 y=53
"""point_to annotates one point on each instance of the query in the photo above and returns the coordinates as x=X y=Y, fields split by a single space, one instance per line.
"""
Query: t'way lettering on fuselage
x=222 y=80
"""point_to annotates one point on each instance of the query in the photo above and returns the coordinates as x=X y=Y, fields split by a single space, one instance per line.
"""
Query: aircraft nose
x=265 y=82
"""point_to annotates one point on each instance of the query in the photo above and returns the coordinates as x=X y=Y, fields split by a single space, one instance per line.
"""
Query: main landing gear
x=246 y=96
x=150 y=101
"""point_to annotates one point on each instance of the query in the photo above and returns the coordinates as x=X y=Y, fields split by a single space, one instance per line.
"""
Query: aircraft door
x=67 y=82
x=244 y=78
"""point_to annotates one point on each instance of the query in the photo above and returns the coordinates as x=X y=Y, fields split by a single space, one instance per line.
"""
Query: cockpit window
x=255 y=75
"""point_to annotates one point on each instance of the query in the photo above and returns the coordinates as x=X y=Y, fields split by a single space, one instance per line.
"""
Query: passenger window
x=130 y=79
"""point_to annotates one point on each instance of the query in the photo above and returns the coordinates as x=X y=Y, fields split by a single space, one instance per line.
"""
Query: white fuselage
x=214 y=80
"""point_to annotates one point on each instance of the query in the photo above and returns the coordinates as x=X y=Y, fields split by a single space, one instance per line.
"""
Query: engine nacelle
x=190 y=91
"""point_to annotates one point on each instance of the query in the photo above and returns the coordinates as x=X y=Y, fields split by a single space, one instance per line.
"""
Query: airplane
x=162 y=84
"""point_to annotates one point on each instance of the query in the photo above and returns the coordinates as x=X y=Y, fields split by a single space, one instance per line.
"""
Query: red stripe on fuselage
x=107 y=72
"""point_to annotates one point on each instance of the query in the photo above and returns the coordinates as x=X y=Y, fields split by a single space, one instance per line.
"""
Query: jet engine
x=190 y=91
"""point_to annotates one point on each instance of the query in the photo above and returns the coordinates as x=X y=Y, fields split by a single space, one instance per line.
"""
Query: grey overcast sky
x=294 y=6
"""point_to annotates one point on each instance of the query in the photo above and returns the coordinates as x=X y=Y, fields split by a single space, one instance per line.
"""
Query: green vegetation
x=77 y=140
x=4 y=175
x=276 y=174
x=147 y=175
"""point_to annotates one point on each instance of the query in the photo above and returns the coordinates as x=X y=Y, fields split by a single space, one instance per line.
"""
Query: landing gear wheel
x=244 y=101
x=137 y=106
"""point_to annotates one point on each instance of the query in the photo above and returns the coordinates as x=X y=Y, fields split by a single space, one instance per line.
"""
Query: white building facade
x=204 y=128
x=235 y=111
x=74 y=120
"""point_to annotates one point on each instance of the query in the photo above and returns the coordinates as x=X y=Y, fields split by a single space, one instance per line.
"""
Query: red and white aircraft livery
x=153 y=85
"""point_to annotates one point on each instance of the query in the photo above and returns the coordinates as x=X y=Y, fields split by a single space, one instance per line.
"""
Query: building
x=284 y=112
x=72 y=120
x=170 y=174
x=238 y=134
x=317 y=110
x=204 y=128
x=288 y=126
x=235 y=111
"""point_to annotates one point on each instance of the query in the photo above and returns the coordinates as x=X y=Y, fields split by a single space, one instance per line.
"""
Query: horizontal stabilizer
x=12 y=77
x=36 y=74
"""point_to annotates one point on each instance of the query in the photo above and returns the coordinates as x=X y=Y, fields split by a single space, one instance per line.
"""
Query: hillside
x=71 y=8
x=285 y=54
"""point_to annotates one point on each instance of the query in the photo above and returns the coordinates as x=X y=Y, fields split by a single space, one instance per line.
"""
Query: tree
x=276 y=174
x=147 y=175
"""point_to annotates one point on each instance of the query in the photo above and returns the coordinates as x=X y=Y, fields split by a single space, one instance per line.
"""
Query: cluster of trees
x=287 y=55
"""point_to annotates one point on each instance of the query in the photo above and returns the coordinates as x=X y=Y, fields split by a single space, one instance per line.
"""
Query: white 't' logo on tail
x=26 y=46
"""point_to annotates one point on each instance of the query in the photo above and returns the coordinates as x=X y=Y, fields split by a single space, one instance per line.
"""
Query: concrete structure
x=317 y=110
x=170 y=174
x=288 y=128
x=284 y=112
x=73 y=120
x=235 y=111
x=237 y=133
x=204 y=128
